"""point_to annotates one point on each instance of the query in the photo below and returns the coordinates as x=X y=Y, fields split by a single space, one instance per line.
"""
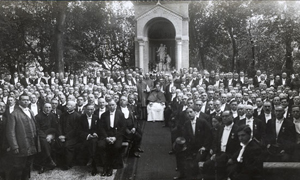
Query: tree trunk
x=288 y=54
x=58 y=36
x=234 y=49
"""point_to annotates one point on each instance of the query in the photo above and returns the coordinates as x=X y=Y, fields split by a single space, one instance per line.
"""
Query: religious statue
x=168 y=62
x=161 y=53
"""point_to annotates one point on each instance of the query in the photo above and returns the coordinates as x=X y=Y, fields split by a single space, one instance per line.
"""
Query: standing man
x=3 y=119
x=22 y=137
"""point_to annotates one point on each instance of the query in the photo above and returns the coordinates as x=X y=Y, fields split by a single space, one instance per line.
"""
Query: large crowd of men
x=230 y=121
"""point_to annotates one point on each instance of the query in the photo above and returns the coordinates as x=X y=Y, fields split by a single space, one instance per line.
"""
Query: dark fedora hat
x=179 y=145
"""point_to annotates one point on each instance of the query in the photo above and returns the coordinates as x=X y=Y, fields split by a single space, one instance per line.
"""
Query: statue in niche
x=161 y=53
x=168 y=62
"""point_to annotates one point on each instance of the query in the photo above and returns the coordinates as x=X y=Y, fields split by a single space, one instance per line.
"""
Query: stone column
x=141 y=54
x=179 y=54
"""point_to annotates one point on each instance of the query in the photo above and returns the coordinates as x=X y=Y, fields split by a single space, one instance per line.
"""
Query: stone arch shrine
x=162 y=24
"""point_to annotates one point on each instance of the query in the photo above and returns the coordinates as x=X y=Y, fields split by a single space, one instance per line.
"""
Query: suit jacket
x=255 y=114
x=104 y=128
x=39 y=80
x=255 y=81
x=47 y=124
x=287 y=82
x=105 y=80
x=252 y=164
x=69 y=126
x=68 y=81
x=49 y=81
x=286 y=137
x=3 y=142
x=262 y=117
x=131 y=122
x=96 y=112
x=19 y=134
x=39 y=107
x=83 y=126
x=24 y=83
x=12 y=80
x=203 y=135
x=206 y=117
x=258 y=128
x=233 y=143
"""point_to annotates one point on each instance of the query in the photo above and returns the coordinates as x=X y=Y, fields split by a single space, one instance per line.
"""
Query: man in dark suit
x=285 y=81
x=71 y=80
x=198 y=138
x=40 y=79
x=256 y=79
x=3 y=143
x=68 y=137
x=22 y=137
x=223 y=148
x=48 y=131
x=80 y=105
x=111 y=130
x=259 y=110
x=34 y=106
x=129 y=80
x=51 y=80
x=88 y=137
x=267 y=113
x=26 y=81
x=197 y=133
x=247 y=163
x=280 y=137
x=201 y=115
x=255 y=124
x=15 y=79
x=55 y=111
x=107 y=78
x=133 y=131
x=102 y=108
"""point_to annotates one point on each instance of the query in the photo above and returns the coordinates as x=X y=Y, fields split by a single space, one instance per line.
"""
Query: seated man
x=133 y=131
x=111 y=129
x=246 y=163
x=155 y=108
x=48 y=131
x=87 y=129
x=68 y=134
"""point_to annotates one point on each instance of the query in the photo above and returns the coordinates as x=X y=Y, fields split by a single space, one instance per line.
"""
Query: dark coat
x=69 y=126
x=233 y=143
x=22 y=133
x=104 y=129
x=258 y=128
x=203 y=135
x=47 y=124
x=252 y=164
x=286 y=138
x=39 y=80
x=83 y=126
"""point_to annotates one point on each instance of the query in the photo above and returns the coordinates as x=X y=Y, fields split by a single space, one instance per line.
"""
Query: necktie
x=240 y=157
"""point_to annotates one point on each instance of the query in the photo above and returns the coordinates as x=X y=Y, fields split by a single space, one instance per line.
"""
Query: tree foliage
x=244 y=35
x=65 y=35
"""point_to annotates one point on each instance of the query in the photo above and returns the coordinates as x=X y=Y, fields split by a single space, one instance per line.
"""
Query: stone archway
x=161 y=23
x=161 y=31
